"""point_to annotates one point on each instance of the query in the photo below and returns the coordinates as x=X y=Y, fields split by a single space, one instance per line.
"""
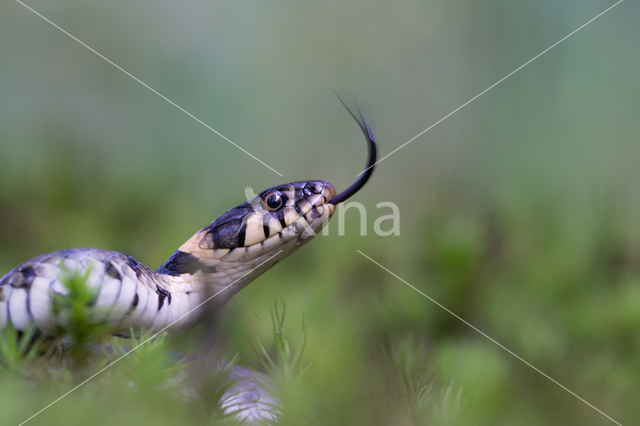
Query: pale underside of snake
x=219 y=260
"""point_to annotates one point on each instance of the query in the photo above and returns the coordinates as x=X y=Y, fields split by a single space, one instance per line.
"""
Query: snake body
x=213 y=265
x=222 y=257
x=248 y=398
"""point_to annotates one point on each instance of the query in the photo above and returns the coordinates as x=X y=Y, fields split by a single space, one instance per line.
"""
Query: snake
x=212 y=266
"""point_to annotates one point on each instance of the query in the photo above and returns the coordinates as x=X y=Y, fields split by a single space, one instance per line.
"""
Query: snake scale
x=215 y=263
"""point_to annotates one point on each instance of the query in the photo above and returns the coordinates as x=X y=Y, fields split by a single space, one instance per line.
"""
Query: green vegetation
x=520 y=212
x=397 y=376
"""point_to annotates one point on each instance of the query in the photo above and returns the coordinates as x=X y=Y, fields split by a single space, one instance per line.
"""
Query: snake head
x=249 y=239
x=281 y=218
x=272 y=218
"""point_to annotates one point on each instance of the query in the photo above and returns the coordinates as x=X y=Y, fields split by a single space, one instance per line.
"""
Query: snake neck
x=224 y=272
x=191 y=269
x=245 y=242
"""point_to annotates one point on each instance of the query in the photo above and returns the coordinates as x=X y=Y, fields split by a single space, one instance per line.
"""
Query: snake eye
x=273 y=200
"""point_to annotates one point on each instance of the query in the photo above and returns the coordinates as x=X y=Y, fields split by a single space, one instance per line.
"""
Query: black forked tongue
x=371 y=162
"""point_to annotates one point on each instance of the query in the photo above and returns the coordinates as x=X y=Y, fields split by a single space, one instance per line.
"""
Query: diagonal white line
x=489 y=88
x=155 y=91
x=150 y=338
x=485 y=335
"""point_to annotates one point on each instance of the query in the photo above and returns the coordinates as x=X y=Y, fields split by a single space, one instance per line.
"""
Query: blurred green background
x=520 y=213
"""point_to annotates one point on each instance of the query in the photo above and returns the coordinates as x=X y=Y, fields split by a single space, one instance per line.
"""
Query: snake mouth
x=329 y=192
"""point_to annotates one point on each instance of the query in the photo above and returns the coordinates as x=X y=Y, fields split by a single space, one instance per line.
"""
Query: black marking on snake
x=182 y=262
x=112 y=271
x=283 y=223
x=8 y=311
x=29 y=314
x=134 y=265
x=266 y=230
x=230 y=216
x=242 y=235
x=136 y=300
x=298 y=210
x=163 y=294
x=223 y=232
x=308 y=190
x=224 y=235
x=27 y=277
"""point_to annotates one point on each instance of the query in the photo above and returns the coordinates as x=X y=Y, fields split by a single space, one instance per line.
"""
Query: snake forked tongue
x=371 y=161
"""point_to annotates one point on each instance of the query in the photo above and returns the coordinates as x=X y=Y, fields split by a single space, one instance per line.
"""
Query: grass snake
x=220 y=259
